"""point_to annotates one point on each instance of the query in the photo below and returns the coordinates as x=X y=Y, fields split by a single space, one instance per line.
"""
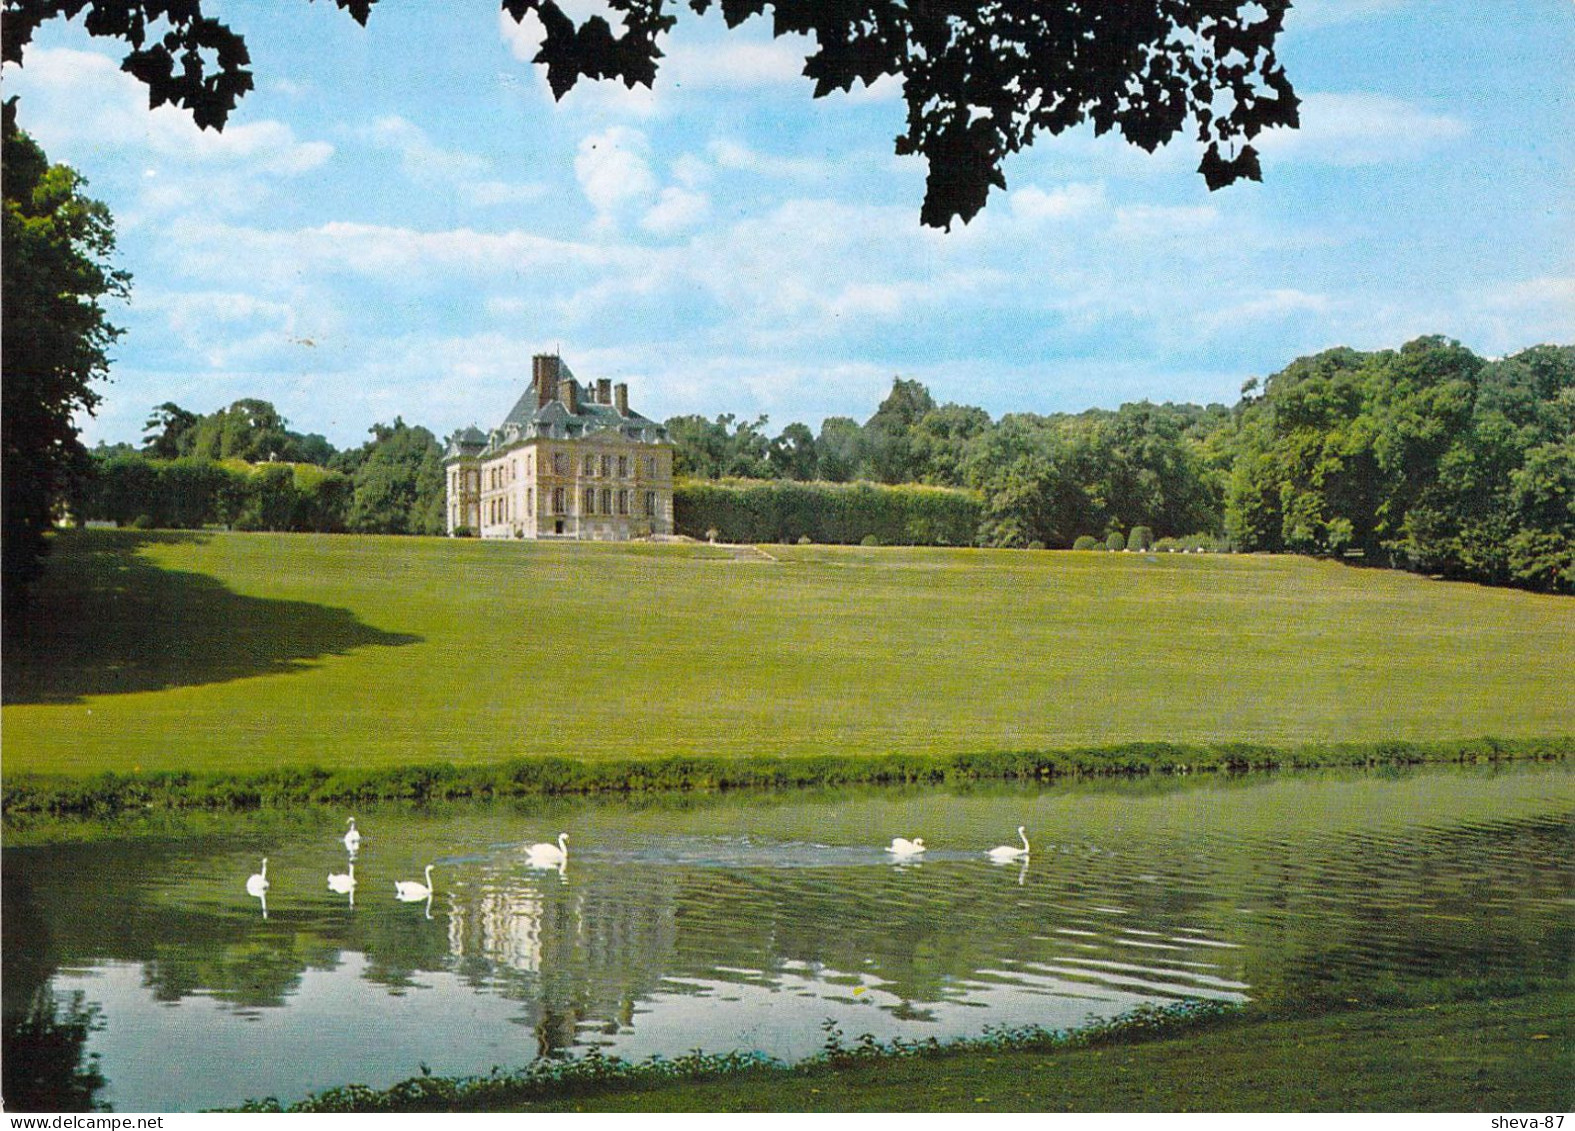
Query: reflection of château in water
x=582 y=954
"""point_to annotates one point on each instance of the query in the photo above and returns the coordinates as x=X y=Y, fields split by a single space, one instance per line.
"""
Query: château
x=569 y=461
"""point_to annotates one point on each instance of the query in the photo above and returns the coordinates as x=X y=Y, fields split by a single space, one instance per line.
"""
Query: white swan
x=352 y=838
x=257 y=883
x=546 y=855
x=343 y=882
x=901 y=847
x=1001 y=853
x=408 y=891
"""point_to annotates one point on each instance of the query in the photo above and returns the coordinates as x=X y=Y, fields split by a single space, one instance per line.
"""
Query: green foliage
x=1115 y=541
x=887 y=449
x=725 y=447
x=1086 y=542
x=837 y=449
x=1141 y=538
x=1427 y=457
x=826 y=513
x=190 y=493
x=399 y=485
x=34 y=796
x=55 y=257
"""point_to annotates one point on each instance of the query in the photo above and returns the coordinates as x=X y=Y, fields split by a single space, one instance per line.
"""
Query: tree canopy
x=981 y=78
x=57 y=248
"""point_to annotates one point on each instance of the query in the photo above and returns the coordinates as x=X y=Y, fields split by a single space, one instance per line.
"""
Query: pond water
x=749 y=921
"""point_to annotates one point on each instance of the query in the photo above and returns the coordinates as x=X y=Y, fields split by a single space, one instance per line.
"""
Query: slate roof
x=553 y=420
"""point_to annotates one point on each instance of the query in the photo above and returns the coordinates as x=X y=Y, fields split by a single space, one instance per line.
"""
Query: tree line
x=1427 y=458
x=243 y=468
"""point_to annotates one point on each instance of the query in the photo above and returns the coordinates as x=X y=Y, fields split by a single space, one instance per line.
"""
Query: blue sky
x=400 y=215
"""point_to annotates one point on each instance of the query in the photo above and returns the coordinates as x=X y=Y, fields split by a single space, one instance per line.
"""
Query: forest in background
x=1427 y=458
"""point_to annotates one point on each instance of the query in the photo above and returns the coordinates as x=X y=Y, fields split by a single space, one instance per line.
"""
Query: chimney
x=603 y=390
x=569 y=394
x=546 y=370
x=621 y=398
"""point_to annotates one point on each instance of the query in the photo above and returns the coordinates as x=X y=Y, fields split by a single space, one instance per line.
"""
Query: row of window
x=502 y=474
x=501 y=510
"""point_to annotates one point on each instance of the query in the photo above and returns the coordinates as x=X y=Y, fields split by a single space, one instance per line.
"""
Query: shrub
x=869 y=540
x=1086 y=542
x=1036 y=545
x=1116 y=541
x=805 y=540
x=759 y=511
x=1141 y=538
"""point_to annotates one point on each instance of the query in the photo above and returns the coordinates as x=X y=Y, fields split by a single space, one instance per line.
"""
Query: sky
x=400 y=215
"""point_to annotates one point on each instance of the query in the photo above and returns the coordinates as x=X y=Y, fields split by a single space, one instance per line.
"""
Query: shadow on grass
x=105 y=620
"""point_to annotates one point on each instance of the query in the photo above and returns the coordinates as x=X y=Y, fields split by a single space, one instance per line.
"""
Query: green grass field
x=236 y=651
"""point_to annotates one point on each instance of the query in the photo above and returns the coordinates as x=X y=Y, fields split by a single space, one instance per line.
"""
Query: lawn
x=248 y=651
x=1511 y=1055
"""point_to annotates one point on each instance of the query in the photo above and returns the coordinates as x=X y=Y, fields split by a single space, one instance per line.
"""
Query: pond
x=749 y=921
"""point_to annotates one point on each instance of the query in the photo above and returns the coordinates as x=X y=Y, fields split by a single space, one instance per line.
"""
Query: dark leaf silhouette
x=981 y=78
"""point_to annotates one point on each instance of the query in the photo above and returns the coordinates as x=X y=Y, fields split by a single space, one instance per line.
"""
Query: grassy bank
x=1501 y=1054
x=250 y=658
x=29 y=796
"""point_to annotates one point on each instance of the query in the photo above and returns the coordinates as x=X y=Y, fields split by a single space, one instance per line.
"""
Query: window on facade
x=589 y=503
x=623 y=466
x=650 y=504
x=607 y=500
x=650 y=466
x=557 y=500
x=623 y=502
x=560 y=463
x=590 y=465
x=607 y=466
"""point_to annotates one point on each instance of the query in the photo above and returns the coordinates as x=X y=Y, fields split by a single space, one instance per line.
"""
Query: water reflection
x=748 y=922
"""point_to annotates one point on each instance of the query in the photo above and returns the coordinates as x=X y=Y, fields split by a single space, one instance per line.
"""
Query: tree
x=398 y=486
x=981 y=78
x=55 y=262
x=166 y=430
x=837 y=449
x=887 y=446
x=792 y=454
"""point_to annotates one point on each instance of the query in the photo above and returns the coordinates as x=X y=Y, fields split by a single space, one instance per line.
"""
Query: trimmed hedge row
x=742 y=510
x=40 y=796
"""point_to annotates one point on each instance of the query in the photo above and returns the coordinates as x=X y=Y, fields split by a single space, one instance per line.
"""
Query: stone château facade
x=569 y=461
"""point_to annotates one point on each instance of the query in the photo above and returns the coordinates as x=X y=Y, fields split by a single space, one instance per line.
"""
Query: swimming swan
x=901 y=846
x=545 y=854
x=257 y=884
x=1001 y=853
x=343 y=882
x=352 y=838
x=408 y=891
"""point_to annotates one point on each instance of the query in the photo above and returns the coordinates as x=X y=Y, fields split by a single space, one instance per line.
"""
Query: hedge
x=836 y=513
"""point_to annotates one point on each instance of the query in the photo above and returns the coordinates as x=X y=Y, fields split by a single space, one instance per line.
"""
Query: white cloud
x=1360 y=129
x=1152 y=222
x=1306 y=15
x=1065 y=203
x=612 y=169
x=60 y=83
x=730 y=154
x=678 y=210
x=736 y=64
x=423 y=159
